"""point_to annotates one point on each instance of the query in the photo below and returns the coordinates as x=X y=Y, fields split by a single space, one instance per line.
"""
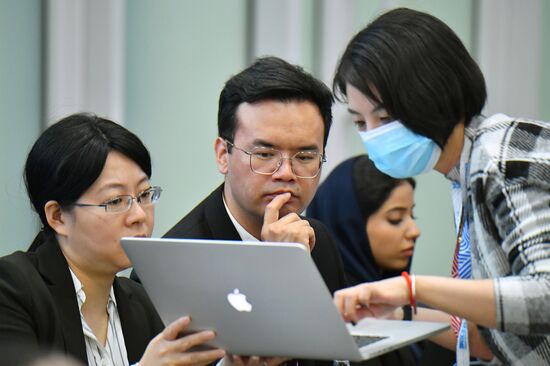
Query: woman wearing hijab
x=370 y=216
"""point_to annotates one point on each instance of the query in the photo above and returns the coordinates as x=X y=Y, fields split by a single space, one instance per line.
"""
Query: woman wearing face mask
x=88 y=180
x=416 y=96
x=370 y=216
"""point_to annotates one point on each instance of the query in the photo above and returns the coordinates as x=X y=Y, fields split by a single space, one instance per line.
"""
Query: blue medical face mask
x=399 y=152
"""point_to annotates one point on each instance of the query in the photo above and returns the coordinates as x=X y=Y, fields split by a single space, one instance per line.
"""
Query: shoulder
x=19 y=267
x=505 y=138
x=24 y=295
x=209 y=219
x=511 y=150
x=326 y=256
x=193 y=224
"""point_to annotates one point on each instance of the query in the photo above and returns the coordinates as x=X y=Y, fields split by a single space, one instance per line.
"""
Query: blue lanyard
x=464 y=272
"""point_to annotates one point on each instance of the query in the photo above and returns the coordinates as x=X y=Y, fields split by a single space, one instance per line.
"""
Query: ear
x=220 y=148
x=55 y=217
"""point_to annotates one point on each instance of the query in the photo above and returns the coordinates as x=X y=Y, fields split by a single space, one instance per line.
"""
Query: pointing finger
x=271 y=213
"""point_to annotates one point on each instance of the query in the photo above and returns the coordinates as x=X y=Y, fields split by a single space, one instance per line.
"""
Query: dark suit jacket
x=38 y=305
x=209 y=220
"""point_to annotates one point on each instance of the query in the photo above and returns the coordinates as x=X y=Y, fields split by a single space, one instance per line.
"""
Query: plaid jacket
x=505 y=170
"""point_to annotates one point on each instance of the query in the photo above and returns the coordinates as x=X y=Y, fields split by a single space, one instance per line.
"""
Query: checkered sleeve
x=517 y=194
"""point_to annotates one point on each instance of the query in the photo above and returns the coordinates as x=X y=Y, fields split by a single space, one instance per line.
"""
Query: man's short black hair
x=270 y=78
x=415 y=67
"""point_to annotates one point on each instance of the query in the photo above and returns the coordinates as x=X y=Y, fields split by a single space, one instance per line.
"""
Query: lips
x=408 y=252
x=277 y=193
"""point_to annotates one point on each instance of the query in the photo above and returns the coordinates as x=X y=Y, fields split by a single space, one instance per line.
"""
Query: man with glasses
x=273 y=125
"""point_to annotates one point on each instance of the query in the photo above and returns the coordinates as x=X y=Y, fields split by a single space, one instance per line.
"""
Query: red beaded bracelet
x=412 y=289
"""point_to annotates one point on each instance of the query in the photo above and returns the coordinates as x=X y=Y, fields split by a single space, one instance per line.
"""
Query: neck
x=250 y=222
x=94 y=309
x=96 y=288
x=450 y=156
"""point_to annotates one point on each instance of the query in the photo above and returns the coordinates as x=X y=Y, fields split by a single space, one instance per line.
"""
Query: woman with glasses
x=88 y=180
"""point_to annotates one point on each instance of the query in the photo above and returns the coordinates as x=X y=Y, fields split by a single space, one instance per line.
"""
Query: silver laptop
x=265 y=299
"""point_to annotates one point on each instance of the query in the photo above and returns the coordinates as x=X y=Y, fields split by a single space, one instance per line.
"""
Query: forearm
x=473 y=300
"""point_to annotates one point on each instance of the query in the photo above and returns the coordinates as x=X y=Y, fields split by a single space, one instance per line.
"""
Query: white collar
x=245 y=235
x=81 y=295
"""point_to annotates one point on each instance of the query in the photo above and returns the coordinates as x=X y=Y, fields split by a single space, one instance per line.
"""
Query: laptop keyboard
x=363 y=340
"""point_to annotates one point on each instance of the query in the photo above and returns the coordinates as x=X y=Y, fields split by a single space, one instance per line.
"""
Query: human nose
x=136 y=213
x=285 y=171
x=413 y=232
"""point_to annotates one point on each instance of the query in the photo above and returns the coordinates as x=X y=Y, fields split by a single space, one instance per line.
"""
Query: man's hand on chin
x=290 y=228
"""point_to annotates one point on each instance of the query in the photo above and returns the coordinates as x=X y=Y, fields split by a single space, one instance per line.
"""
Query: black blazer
x=209 y=220
x=38 y=305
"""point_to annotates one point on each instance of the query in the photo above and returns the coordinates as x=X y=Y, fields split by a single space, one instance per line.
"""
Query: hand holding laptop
x=255 y=306
x=372 y=299
x=169 y=348
x=290 y=228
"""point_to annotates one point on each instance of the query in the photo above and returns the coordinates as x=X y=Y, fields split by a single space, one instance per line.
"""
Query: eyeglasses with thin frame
x=267 y=160
x=122 y=203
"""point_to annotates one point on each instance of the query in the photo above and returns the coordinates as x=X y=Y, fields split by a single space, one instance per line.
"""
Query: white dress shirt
x=114 y=352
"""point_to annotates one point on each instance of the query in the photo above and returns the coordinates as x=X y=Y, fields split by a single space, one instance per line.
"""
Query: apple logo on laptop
x=238 y=301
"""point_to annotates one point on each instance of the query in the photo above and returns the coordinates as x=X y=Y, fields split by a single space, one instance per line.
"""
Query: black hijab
x=351 y=193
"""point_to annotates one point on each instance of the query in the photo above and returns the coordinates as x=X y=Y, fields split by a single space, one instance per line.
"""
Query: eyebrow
x=378 y=108
x=260 y=142
x=401 y=208
x=397 y=209
x=119 y=185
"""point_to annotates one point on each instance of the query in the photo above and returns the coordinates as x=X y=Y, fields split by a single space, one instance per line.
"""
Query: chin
x=285 y=210
x=123 y=262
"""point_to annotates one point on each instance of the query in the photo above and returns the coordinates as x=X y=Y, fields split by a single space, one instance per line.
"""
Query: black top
x=209 y=220
x=38 y=305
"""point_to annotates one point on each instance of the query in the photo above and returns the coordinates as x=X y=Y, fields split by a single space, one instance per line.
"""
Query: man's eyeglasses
x=266 y=161
x=123 y=203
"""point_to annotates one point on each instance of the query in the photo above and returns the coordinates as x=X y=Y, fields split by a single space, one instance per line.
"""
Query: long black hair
x=69 y=156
